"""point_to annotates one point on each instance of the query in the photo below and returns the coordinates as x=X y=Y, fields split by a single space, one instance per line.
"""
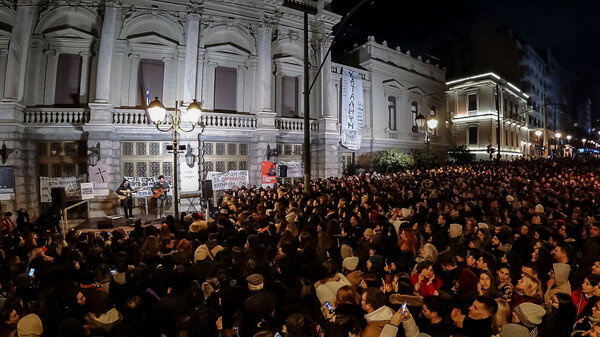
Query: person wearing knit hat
x=529 y=314
x=352 y=274
x=255 y=282
x=455 y=230
x=201 y=253
x=514 y=330
x=346 y=251
x=30 y=326
x=539 y=209
x=350 y=263
x=405 y=213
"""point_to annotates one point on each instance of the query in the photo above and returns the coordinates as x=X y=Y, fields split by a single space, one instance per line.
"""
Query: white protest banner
x=226 y=181
x=101 y=190
x=294 y=169
x=352 y=109
x=70 y=184
x=87 y=191
x=144 y=184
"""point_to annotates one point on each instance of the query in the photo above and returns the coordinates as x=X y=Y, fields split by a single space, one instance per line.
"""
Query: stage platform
x=111 y=223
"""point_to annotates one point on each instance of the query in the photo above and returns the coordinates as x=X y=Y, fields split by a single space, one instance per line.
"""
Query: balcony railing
x=294 y=124
x=56 y=116
x=236 y=121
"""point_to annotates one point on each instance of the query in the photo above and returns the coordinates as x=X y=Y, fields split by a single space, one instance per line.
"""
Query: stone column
x=50 y=80
x=327 y=96
x=209 y=82
x=200 y=77
x=3 y=58
x=85 y=71
x=265 y=32
x=105 y=57
x=241 y=77
x=191 y=57
x=133 y=79
x=18 y=51
x=278 y=93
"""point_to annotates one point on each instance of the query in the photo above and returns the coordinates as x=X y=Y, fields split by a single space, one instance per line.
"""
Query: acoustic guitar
x=128 y=193
x=158 y=192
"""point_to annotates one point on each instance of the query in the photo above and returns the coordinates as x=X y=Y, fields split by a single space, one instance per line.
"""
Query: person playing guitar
x=124 y=193
x=159 y=190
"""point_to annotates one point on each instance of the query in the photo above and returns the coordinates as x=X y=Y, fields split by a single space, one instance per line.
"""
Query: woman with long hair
x=528 y=289
x=407 y=242
x=582 y=296
x=502 y=316
x=487 y=284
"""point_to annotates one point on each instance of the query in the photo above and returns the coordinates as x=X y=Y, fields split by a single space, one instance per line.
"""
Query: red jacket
x=426 y=288
x=579 y=300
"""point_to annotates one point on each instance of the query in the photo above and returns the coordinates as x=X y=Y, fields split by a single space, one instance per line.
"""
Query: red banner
x=268 y=173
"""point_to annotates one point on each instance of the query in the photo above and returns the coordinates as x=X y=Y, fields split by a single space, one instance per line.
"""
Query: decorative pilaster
x=105 y=56
x=265 y=31
x=18 y=51
x=327 y=97
x=134 y=61
x=50 y=80
x=85 y=71
x=191 y=57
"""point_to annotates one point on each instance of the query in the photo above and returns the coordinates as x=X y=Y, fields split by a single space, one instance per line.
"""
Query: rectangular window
x=289 y=96
x=225 y=88
x=67 y=80
x=151 y=75
x=473 y=135
x=414 y=111
x=472 y=104
x=392 y=112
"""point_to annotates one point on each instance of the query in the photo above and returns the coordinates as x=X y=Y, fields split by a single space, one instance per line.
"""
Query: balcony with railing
x=56 y=116
x=294 y=124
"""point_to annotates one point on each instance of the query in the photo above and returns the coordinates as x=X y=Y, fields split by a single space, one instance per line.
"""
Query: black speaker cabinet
x=207 y=189
x=59 y=197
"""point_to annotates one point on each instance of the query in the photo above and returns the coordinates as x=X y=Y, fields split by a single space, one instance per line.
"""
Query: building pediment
x=67 y=33
x=155 y=39
x=287 y=59
x=417 y=90
x=227 y=48
x=393 y=83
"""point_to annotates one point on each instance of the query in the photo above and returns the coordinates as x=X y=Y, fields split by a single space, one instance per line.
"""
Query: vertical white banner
x=352 y=109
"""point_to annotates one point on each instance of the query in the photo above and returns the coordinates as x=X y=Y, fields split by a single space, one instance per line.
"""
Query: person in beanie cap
x=349 y=270
x=30 y=326
x=514 y=330
x=529 y=315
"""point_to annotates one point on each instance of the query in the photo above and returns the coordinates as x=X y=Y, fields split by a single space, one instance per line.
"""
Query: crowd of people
x=504 y=249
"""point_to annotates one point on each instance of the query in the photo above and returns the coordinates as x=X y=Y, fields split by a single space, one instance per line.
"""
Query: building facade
x=479 y=107
x=81 y=74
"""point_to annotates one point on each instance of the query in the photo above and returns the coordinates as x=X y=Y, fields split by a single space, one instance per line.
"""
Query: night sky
x=570 y=28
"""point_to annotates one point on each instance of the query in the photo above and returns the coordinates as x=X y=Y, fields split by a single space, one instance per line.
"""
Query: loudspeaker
x=282 y=171
x=59 y=197
x=105 y=224
x=207 y=189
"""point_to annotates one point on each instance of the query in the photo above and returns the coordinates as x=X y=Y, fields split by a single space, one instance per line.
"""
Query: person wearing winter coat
x=558 y=281
x=377 y=313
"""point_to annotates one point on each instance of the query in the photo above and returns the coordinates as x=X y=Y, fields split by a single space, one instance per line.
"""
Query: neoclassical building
x=78 y=74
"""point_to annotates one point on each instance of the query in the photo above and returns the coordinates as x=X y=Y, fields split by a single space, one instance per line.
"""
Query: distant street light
x=426 y=126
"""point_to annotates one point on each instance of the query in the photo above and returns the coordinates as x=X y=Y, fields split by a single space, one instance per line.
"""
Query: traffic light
x=543 y=148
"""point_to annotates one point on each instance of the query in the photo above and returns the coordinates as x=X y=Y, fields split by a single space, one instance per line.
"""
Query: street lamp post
x=538 y=133
x=557 y=148
x=158 y=113
x=427 y=127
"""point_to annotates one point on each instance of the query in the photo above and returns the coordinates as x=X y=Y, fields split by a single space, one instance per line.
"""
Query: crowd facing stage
x=488 y=249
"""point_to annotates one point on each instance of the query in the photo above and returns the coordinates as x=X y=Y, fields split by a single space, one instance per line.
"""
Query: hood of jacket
x=561 y=273
x=382 y=314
